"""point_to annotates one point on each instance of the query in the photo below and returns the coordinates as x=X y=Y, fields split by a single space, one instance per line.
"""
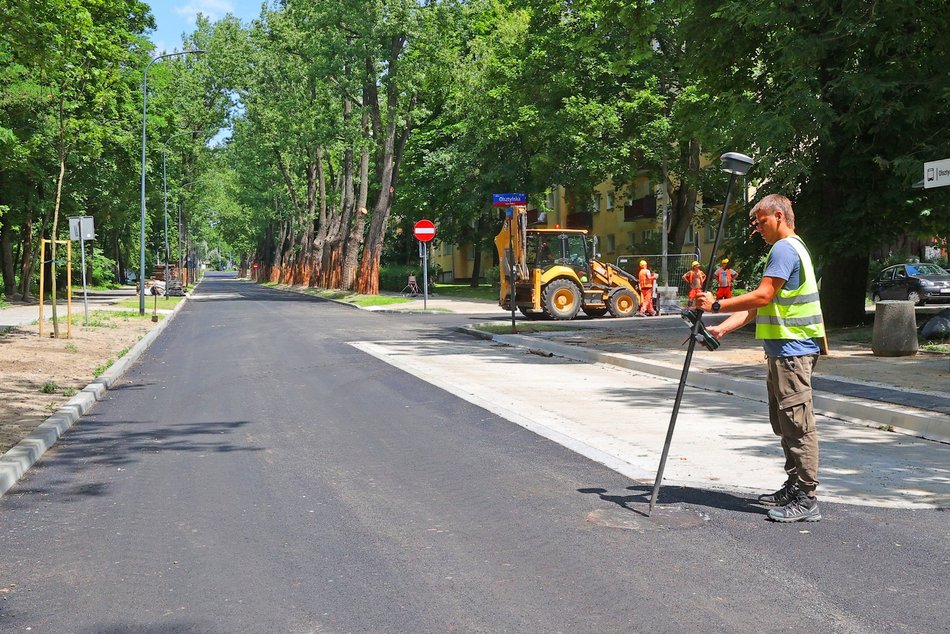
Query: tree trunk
x=476 y=266
x=52 y=281
x=387 y=167
x=119 y=262
x=26 y=267
x=354 y=238
x=6 y=258
x=843 y=284
x=683 y=198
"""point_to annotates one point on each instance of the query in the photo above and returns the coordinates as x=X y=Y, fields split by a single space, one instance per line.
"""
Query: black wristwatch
x=715 y=306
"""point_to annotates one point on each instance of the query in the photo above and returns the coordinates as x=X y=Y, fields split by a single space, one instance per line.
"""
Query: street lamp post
x=144 y=121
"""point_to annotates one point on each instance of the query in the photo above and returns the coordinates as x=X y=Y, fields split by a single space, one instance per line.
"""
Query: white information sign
x=937 y=174
x=82 y=228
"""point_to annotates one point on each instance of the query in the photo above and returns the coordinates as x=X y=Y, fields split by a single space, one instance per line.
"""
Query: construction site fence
x=677 y=264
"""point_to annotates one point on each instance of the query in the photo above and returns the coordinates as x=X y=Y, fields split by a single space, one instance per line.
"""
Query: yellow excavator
x=555 y=273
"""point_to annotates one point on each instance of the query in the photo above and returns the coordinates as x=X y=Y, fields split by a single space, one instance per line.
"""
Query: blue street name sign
x=505 y=200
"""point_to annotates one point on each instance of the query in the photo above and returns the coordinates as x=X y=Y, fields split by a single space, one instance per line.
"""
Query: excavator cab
x=547 y=250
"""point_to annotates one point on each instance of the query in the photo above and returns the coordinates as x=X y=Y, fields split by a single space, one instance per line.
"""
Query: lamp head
x=735 y=163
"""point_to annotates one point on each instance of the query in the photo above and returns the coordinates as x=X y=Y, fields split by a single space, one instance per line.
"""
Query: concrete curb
x=17 y=461
x=924 y=424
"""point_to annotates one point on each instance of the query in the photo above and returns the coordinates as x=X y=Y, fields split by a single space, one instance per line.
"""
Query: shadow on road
x=672 y=495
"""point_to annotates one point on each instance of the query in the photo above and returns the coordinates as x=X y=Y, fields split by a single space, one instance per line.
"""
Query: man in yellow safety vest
x=787 y=315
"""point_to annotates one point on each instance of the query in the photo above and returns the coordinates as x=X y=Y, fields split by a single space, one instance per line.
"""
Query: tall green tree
x=80 y=50
x=841 y=103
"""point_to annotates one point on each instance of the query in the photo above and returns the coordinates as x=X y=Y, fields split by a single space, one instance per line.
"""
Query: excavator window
x=576 y=251
x=543 y=250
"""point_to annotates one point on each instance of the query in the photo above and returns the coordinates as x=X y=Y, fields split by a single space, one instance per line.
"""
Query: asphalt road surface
x=255 y=472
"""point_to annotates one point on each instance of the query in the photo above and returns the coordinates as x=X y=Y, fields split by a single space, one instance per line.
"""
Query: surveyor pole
x=736 y=165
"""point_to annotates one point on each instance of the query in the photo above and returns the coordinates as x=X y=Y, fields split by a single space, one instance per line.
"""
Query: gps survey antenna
x=736 y=165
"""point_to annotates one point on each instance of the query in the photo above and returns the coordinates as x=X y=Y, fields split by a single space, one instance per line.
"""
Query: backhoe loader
x=555 y=273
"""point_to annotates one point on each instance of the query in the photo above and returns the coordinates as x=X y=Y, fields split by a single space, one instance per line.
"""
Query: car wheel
x=914 y=296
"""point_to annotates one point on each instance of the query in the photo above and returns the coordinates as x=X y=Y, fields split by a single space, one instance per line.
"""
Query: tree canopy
x=348 y=120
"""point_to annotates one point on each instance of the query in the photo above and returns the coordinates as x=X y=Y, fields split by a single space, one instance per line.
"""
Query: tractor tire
x=531 y=314
x=561 y=299
x=595 y=312
x=623 y=303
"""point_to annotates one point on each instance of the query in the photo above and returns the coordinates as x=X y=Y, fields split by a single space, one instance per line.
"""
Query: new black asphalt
x=254 y=472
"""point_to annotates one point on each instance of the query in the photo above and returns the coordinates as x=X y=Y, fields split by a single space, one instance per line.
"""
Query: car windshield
x=925 y=269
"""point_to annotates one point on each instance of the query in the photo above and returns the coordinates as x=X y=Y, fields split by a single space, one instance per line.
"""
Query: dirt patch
x=40 y=375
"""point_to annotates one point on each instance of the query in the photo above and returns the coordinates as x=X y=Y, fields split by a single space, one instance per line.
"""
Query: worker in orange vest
x=694 y=278
x=646 y=279
x=724 y=278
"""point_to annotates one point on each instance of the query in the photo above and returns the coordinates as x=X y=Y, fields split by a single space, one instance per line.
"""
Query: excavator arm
x=511 y=243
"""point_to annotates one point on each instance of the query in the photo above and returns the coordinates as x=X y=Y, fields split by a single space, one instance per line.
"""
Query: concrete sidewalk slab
x=619 y=417
x=709 y=375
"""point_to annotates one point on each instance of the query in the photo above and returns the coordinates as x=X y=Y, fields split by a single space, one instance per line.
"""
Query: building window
x=552 y=200
x=640 y=208
x=610 y=201
x=471 y=253
x=710 y=233
x=594 y=203
x=690 y=235
x=611 y=243
x=631 y=240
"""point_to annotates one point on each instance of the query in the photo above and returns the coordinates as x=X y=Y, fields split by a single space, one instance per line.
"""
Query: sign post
x=83 y=228
x=424 y=231
x=510 y=201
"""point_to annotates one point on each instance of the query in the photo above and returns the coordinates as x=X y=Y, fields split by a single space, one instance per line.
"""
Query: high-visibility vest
x=646 y=278
x=793 y=314
x=725 y=277
x=696 y=278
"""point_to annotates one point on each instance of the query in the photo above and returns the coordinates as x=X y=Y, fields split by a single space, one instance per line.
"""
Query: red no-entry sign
x=424 y=230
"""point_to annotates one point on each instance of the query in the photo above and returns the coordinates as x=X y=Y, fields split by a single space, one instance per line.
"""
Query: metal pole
x=85 y=296
x=142 y=232
x=180 y=278
x=694 y=334
x=165 y=213
x=425 y=274
x=666 y=229
x=142 y=219
x=511 y=266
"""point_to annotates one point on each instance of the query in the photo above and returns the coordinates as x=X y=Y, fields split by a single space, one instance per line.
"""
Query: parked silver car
x=915 y=281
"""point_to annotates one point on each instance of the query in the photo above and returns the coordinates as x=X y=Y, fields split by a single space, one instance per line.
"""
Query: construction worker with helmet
x=694 y=279
x=646 y=279
x=724 y=279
